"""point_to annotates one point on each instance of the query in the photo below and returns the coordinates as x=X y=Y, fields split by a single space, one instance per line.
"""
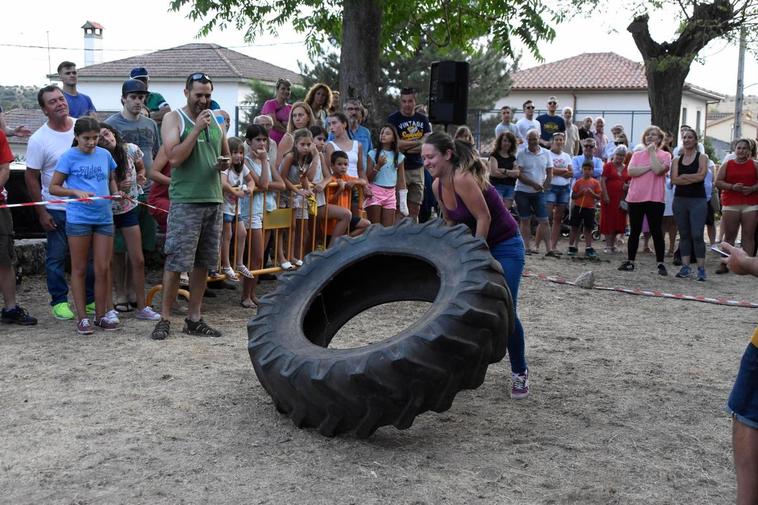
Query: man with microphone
x=197 y=149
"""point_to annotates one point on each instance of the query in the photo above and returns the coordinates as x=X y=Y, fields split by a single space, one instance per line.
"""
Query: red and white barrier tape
x=69 y=200
x=648 y=292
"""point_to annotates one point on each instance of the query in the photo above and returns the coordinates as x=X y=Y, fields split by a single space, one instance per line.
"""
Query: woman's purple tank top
x=502 y=224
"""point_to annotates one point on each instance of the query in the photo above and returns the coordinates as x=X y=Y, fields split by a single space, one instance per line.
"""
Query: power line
x=29 y=46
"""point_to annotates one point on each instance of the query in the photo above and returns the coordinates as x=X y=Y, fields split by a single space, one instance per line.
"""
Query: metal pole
x=739 y=96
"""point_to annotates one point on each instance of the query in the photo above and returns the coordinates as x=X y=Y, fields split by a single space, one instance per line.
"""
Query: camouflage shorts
x=193 y=236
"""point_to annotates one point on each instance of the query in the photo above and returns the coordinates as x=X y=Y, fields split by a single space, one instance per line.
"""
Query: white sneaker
x=286 y=265
x=230 y=274
x=184 y=279
x=242 y=269
x=148 y=314
x=112 y=316
x=298 y=263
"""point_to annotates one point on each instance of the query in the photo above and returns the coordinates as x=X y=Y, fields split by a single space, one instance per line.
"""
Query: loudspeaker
x=448 y=92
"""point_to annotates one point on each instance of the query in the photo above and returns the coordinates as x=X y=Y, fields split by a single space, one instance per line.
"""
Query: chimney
x=93 y=43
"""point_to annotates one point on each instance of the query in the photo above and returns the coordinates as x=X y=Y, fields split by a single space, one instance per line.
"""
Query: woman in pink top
x=278 y=109
x=646 y=195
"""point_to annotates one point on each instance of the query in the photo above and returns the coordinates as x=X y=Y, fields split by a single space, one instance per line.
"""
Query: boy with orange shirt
x=585 y=193
x=342 y=196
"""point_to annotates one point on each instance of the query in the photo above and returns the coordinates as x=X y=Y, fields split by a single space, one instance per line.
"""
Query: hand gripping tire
x=392 y=381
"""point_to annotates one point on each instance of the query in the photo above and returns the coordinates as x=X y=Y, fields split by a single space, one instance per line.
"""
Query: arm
x=494 y=169
x=466 y=187
x=283 y=148
x=5 y=173
x=548 y=177
x=514 y=172
x=112 y=185
x=373 y=168
x=361 y=168
x=720 y=181
x=604 y=190
x=33 y=178
x=284 y=170
x=179 y=150
x=156 y=174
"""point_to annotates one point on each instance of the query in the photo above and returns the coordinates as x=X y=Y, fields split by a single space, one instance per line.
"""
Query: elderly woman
x=645 y=198
x=612 y=215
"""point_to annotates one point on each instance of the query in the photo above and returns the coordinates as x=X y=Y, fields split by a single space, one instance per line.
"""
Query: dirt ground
x=626 y=408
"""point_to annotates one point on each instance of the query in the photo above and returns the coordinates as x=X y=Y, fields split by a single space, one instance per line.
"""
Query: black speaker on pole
x=448 y=92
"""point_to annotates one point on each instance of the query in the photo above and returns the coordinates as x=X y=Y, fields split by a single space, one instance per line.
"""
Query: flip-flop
x=248 y=305
x=122 y=307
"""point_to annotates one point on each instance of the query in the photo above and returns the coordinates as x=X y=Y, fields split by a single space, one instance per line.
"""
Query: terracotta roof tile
x=585 y=71
x=179 y=62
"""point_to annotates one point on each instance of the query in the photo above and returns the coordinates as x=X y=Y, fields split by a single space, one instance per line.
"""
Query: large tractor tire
x=392 y=381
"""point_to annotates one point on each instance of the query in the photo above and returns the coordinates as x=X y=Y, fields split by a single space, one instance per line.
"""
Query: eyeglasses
x=552 y=103
x=529 y=107
x=198 y=77
x=70 y=72
x=589 y=146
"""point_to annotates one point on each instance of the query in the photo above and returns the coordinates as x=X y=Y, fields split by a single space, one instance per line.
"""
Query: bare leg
x=170 y=290
x=8 y=286
x=79 y=249
x=745 y=447
x=374 y=214
x=102 y=250
x=118 y=272
x=526 y=231
x=413 y=209
x=388 y=217
x=198 y=282
x=133 y=241
x=226 y=238
x=749 y=220
x=543 y=234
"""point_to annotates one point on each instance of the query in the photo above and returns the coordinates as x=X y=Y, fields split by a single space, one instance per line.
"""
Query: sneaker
x=573 y=251
x=520 y=385
x=161 y=330
x=590 y=253
x=242 y=269
x=84 y=327
x=199 y=328
x=106 y=324
x=112 y=316
x=298 y=263
x=662 y=270
x=18 y=315
x=677 y=258
x=90 y=308
x=701 y=274
x=683 y=272
x=230 y=274
x=62 y=311
x=148 y=314
x=286 y=265
x=627 y=266
x=184 y=279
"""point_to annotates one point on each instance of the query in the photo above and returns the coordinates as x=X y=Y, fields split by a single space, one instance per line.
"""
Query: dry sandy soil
x=626 y=408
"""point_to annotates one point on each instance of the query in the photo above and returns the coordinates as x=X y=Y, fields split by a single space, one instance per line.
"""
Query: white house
x=602 y=84
x=230 y=71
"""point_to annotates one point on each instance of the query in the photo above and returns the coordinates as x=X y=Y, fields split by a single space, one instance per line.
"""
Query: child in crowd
x=386 y=175
x=585 y=193
x=236 y=183
x=320 y=175
x=130 y=175
x=328 y=212
x=266 y=182
x=88 y=170
x=342 y=195
x=297 y=170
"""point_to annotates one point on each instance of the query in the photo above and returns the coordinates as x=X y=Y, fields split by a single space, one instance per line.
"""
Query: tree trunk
x=665 y=81
x=359 y=54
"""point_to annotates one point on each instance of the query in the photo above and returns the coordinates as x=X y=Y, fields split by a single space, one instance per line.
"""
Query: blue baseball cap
x=133 y=86
x=139 y=72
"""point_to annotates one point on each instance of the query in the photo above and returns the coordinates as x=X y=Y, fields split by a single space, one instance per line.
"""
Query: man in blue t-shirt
x=79 y=104
x=412 y=127
x=550 y=123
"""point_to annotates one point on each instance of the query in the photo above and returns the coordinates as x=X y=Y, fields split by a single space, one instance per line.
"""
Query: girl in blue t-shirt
x=88 y=170
x=386 y=176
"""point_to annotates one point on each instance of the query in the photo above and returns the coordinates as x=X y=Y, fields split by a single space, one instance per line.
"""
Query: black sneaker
x=662 y=270
x=161 y=330
x=199 y=328
x=626 y=266
x=573 y=251
x=18 y=315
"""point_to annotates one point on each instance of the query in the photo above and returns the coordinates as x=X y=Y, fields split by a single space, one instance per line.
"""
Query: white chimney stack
x=93 y=43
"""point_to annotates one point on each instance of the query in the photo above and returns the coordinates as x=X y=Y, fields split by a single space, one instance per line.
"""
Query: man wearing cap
x=79 y=104
x=154 y=102
x=550 y=123
x=197 y=149
x=611 y=146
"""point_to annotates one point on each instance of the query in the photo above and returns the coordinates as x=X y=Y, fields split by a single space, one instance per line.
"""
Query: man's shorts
x=529 y=204
x=7 y=251
x=381 y=196
x=558 y=195
x=193 y=236
x=414 y=181
x=743 y=402
x=582 y=215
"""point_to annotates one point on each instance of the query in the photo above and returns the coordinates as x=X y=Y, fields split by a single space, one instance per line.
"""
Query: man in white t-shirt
x=506 y=125
x=559 y=193
x=536 y=173
x=45 y=147
x=528 y=122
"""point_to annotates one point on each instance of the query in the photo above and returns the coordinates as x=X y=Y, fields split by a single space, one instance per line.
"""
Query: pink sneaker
x=520 y=385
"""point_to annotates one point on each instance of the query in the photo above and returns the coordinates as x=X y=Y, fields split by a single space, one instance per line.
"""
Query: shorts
x=505 y=190
x=256 y=224
x=354 y=223
x=296 y=202
x=7 y=251
x=127 y=219
x=557 y=195
x=743 y=401
x=739 y=208
x=229 y=218
x=193 y=236
x=710 y=219
x=531 y=203
x=85 y=230
x=147 y=226
x=384 y=197
x=581 y=215
x=414 y=181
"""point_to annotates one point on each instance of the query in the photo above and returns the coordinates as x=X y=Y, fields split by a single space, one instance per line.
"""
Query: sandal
x=248 y=304
x=123 y=307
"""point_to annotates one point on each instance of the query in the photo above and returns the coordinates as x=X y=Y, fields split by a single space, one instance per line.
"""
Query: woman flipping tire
x=392 y=381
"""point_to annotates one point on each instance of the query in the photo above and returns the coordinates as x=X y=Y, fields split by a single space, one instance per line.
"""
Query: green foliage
x=18 y=97
x=710 y=150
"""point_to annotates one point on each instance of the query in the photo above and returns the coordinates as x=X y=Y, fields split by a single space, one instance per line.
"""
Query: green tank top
x=197 y=180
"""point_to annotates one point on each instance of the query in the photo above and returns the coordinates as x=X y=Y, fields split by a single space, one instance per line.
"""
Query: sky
x=146 y=25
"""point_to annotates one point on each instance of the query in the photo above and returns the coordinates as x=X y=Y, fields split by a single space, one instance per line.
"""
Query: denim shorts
x=85 y=230
x=529 y=204
x=505 y=190
x=558 y=194
x=743 y=402
x=127 y=219
x=228 y=218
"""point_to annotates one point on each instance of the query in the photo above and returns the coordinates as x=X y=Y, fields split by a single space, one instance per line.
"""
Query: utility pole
x=739 y=97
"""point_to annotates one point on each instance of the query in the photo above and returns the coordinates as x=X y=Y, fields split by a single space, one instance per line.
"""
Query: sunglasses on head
x=198 y=77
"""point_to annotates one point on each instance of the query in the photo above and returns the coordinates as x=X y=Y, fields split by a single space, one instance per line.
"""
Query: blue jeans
x=55 y=263
x=510 y=254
